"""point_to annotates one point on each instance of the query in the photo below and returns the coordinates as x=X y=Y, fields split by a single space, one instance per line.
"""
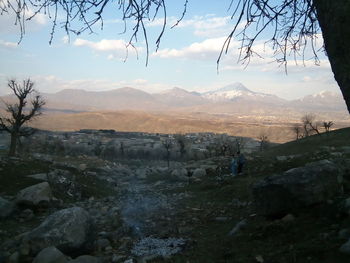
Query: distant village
x=111 y=144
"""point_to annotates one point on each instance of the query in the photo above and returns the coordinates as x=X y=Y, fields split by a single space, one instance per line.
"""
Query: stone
x=14 y=258
x=42 y=176
x=102 y=243
x=199 y=172
x=117 y=258
x=344 y=233
x=180 y=174
x=345 y=248
x=50 y=255
x=238 y=227
x=299 y=187
x=35 y=195
x=82 y=167
x=346 y=206
x=85 y=259
x=288 y=218
x=6 y=208
x=27 y=214
x=281 y=158
x=66 y=229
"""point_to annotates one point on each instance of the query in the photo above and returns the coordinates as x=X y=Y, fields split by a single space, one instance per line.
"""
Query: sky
x=186 y=57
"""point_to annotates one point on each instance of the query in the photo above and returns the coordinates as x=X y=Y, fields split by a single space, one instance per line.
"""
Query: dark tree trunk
x=334 y=20
x=13 y=145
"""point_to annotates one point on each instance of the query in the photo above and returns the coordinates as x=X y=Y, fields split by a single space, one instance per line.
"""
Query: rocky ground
x=288 y=206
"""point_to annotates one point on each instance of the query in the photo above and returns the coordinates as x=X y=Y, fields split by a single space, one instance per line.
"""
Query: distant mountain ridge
x=230 y=99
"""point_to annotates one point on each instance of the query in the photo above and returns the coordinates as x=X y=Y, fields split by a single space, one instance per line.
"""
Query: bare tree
x=263 y=141
x=295 y=25
x=168 y=144
x=18 y=113
x=327 y=125
x=182 y=142
x=309 y=124
x=298 y=130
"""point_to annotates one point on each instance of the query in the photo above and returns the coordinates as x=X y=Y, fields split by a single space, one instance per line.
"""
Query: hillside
x=144 y=211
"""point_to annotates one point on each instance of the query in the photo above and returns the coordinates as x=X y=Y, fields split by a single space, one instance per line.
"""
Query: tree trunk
x=13 y=145
x=334 y=19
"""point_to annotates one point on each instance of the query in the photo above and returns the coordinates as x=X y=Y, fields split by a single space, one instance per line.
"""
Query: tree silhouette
x=290 y=24
x=18 y=113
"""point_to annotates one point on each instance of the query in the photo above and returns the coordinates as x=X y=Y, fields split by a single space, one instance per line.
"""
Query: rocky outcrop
x=67 y=229
x=299 y=187
x=35 y=195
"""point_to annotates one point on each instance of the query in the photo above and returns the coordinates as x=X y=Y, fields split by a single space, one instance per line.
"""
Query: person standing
x=240 y=162
x=234 y=166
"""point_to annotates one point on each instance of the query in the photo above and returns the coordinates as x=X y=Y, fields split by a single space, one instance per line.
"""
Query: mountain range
x=233 y=109
x=235 y=98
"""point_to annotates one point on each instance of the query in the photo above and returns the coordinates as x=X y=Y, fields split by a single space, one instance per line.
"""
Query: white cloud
x=209 y=26
x=115 y=48
x=103 y=45
x=208 y=49
x=7 y=44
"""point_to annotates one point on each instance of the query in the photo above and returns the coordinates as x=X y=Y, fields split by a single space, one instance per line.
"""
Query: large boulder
x=180 y=174
x=35 y=195
x=6 y=208
x=299 y=187
x=67 y=229
x=199 y=172
x=50 y=255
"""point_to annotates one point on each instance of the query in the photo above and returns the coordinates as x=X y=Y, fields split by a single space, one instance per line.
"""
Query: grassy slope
x=311 y=237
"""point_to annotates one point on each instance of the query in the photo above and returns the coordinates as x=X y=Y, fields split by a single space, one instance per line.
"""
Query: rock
x=346 y=206
x=299 y=187
x=42 y=176
x=102 y=243
x=199 y=172
x=222 y=218
x=67 y=229
x=344 y=233
x=82 y=167
x=180 y=173
x=6 y=208
x=117 y=258
x=345 y=248
x=14 y=258
x=288 y=218
x=238 y=227
x=85 y=259
x=50 y=255
x=281 y=158
x=35 y=195
x=27 y=214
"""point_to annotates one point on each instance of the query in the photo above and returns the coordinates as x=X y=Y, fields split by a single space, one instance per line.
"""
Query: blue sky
x=186 y=57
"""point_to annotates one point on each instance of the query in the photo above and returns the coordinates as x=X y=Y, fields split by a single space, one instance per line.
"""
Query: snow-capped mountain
x=323 y=100
x=238 y=91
